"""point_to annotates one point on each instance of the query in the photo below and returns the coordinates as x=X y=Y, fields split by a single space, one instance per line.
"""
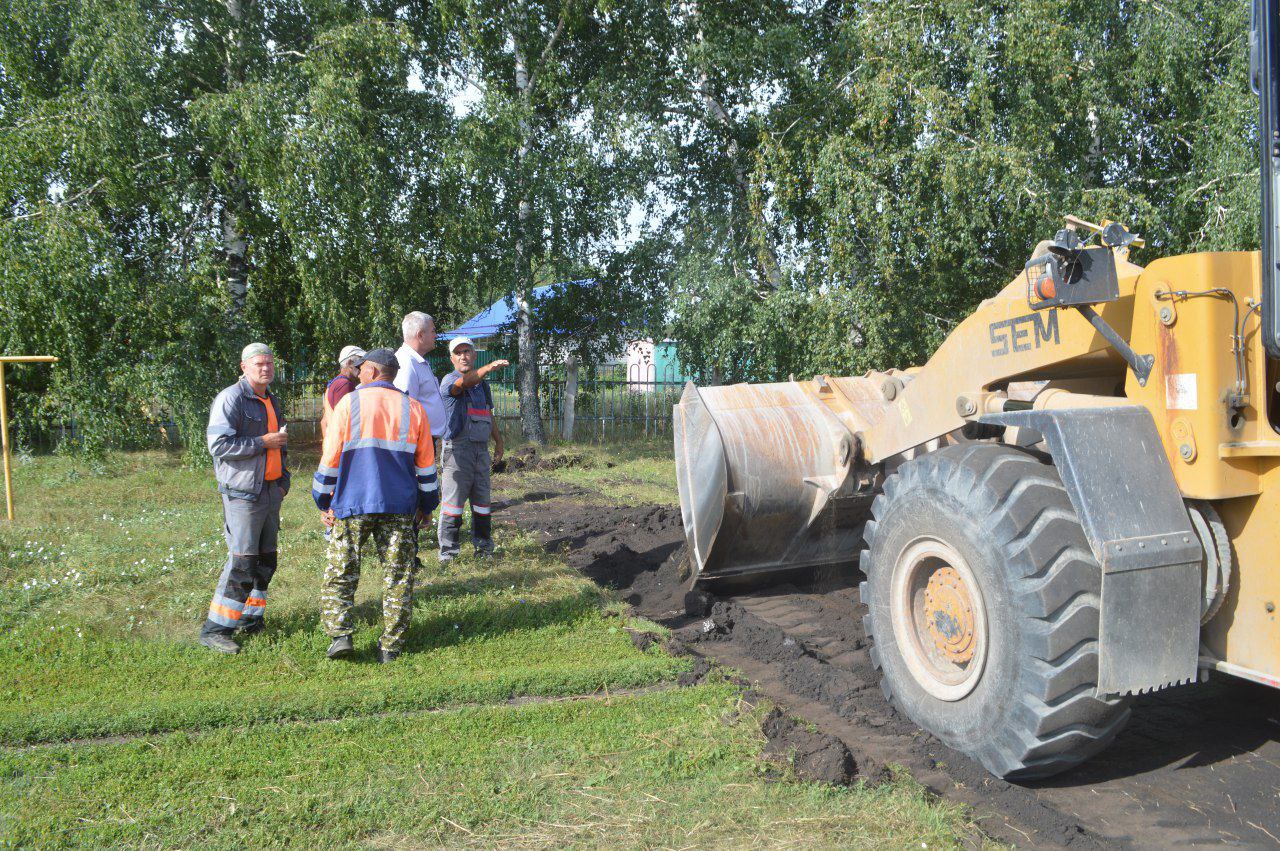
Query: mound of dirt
x=1196 y=765
x=637 y=550
x=528 y=459
x=813 y=755
x=695 y=675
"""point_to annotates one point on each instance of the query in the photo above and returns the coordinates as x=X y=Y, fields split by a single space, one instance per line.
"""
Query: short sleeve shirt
x=338 y=387
x=475 y=404
x=416 y=379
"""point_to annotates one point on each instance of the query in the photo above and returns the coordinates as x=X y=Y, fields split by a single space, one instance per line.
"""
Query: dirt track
x=1196 y=765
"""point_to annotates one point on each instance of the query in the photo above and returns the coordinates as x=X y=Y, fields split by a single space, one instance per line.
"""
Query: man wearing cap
x=247 y=440
x=342 y=384
x=465 y=463
x=377 y=479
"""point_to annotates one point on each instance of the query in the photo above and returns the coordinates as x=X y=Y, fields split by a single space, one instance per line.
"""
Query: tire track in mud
x=1196 y=765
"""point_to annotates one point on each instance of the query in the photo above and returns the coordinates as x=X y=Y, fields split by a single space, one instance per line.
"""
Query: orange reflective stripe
x=255 y=601
x=380 y=410
x=326 y=414
x=225 y=611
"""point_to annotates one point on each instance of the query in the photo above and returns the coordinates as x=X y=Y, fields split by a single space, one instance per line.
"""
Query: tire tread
x=1057 y=722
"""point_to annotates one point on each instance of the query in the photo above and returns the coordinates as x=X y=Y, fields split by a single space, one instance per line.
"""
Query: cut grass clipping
x=107 y=575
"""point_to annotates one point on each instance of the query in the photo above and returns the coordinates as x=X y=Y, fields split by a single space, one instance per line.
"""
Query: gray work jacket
x=237 y=422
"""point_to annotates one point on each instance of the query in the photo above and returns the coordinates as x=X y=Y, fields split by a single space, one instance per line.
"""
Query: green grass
x=676 y=768
x=469 y=739
x=110 y=597
x=636 y=471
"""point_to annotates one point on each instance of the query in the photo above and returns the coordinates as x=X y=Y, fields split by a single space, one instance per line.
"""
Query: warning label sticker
x=1180 y=391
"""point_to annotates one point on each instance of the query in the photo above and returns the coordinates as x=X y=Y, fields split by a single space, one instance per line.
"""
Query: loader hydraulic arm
x=1264 y=52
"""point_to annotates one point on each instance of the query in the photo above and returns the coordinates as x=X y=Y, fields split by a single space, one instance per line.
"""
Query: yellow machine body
x=773 y=508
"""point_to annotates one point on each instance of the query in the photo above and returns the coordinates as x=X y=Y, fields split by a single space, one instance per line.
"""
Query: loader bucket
x=765 y=479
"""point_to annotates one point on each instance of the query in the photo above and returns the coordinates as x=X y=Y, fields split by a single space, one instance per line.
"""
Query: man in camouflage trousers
x=377 y=474
x=395 y=539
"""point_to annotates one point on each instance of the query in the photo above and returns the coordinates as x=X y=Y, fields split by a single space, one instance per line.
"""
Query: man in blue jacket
x=377 y=475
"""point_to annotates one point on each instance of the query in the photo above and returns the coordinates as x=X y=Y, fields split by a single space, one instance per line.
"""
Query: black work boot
x=385 y=656
x=339 y=647
x=253 y=627
x=219 y=642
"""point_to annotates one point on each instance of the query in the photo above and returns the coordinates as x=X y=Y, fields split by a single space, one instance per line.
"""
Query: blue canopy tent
x=500 y=317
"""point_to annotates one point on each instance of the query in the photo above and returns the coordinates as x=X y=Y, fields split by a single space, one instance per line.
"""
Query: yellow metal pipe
x=4 y=441
x=4 y=423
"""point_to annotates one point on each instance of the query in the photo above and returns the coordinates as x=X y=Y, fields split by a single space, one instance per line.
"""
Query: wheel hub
x=939 y=618
x=948 y=612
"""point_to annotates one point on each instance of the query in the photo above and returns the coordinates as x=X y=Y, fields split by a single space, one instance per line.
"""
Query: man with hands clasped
x=247 y=439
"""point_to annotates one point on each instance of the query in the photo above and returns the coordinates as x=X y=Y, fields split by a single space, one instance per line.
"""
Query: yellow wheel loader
x=1076 y=500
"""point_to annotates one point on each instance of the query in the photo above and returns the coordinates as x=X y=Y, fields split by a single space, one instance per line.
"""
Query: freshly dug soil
x=813 y=755
x=528 y=459
x=638 y=551
x=1196 y=765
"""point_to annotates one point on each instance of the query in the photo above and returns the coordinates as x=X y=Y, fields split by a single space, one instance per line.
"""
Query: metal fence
x=613 y=402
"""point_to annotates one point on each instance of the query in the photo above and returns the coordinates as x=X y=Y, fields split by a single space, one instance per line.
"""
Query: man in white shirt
x=417 y=380
x=415 y=376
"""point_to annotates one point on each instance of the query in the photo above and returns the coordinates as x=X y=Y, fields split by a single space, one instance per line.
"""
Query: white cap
x=458 y=341
x=253 y=350
x=349 y=352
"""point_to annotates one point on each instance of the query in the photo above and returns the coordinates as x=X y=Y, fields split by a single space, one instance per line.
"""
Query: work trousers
x=417 y=527
x=395 y=539
x=464 y=475
x=252 y=529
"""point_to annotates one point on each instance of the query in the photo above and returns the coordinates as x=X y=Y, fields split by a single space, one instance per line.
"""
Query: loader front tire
x=982 y=602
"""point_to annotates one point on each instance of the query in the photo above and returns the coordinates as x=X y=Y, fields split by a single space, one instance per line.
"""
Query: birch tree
x=553 y=142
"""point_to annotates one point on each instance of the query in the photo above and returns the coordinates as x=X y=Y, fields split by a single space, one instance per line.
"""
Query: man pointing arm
x=465 y=463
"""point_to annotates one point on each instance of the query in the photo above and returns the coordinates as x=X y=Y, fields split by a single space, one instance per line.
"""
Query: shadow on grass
x=496 y=617
x=430 y=587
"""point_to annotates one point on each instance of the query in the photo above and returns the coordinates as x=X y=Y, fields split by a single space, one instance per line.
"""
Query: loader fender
x=1118 y=478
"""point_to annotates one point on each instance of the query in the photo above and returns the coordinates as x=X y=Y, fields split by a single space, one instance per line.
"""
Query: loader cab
x=1264 y=54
